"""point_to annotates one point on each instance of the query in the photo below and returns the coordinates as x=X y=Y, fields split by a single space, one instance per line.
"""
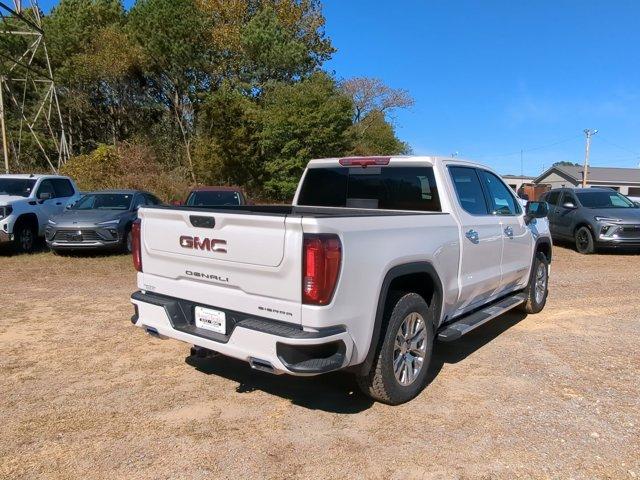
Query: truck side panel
x=370 y=250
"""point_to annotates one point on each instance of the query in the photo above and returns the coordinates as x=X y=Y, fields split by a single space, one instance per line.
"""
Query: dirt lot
x=84 y=394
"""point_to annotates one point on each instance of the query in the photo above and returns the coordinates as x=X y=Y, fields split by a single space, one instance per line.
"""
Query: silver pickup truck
x=376 y=259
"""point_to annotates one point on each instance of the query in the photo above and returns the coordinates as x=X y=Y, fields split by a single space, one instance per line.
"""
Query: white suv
x=26 y=204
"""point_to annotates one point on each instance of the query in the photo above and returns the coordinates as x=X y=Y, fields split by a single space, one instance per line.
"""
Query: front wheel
x=24 y=238
x=584 y=241
x=127 y=241
x=538 y=288
x=399 y=371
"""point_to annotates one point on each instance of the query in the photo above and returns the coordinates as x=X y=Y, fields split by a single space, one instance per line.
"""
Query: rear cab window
x=382 y=188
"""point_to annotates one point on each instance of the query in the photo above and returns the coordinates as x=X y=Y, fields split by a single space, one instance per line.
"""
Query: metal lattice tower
x=27 y=88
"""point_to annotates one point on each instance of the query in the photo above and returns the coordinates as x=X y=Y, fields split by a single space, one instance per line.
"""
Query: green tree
x=374 y=135
x=298 y=122
x=172 y=35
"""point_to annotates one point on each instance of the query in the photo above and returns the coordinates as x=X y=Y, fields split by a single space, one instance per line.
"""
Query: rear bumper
x=260 y=341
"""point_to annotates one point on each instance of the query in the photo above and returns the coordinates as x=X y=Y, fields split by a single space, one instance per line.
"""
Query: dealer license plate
x=210 y=319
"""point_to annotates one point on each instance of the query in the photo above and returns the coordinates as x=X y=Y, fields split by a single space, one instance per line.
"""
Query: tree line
x=206 y=92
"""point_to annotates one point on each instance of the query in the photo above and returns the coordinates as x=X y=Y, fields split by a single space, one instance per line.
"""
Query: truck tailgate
x=229 y=260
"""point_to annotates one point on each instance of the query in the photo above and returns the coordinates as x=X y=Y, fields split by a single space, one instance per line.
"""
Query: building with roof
x=623 y=180
x=516 y=181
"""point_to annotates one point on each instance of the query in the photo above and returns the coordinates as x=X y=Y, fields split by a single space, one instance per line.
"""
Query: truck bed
x=290 y=210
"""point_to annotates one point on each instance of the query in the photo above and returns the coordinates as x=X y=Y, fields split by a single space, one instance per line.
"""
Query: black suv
x=593 y=217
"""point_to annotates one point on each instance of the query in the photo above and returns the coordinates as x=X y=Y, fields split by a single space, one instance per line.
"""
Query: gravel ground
x=84 y=394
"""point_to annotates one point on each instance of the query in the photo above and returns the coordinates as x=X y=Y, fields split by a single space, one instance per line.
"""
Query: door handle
x=58 y=203
x=508 y=232
x=473 y=236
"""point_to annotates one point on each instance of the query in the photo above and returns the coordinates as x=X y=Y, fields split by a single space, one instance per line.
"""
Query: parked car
x=98 y=221
x=635 y=200
x=376 y=258
x=26 y=204
x=215 y=196
x=593 y=218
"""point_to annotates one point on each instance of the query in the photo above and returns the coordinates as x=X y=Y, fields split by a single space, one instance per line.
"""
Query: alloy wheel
x=410 y=349
x=26 y=239
x=540 y=283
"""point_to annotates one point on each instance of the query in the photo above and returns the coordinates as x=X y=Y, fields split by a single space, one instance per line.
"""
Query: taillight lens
x=363 y=162
x=322 y=255
x=136 y=250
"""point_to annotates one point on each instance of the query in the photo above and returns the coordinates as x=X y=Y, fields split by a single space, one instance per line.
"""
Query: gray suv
x=98 y=221
x=593 y=217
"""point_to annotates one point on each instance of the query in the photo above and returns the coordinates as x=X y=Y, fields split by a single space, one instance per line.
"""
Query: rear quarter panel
x=371 y=246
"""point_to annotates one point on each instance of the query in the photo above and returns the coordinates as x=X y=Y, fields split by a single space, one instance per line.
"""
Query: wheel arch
x=417 y=277
x=543 y=245
x=29 y=218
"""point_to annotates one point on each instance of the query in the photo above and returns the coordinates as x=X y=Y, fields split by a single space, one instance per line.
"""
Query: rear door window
x=385 y=188
x=469 y=190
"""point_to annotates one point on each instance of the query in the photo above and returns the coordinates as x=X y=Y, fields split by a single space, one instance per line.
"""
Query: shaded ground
x=84 y=394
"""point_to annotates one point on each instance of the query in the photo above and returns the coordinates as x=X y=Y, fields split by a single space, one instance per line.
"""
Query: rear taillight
x=321 y=257
x=136 y=250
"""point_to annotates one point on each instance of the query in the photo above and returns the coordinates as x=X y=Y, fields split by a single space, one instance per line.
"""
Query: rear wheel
x=399 y=371
x=24 y=237
x=584 y=241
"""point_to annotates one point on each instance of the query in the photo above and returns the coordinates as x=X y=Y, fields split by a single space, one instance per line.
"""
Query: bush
x=127 y=165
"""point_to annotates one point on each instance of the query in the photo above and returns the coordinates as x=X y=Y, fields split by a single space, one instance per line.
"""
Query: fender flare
x=544 y=241
x=29 y=218
x=393 y=273
x=540 y=241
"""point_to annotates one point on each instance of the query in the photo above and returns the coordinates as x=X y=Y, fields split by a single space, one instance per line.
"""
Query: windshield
x=104 y=201
x=604 y=200
x=20 y=187
x=213 y=198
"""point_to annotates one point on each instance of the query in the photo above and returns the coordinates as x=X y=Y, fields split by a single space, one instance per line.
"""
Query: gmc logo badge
x=209 y=244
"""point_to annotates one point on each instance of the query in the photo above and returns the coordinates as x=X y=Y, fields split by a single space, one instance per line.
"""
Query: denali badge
x=197 y=243
x=208 y=276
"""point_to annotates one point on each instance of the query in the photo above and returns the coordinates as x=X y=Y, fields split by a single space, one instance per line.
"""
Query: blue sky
x=493 y=77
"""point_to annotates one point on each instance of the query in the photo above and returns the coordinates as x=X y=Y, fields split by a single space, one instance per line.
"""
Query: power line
x=635 y=152
x=532 y=149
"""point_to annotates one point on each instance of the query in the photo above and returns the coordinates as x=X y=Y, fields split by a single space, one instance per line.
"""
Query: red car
x=215 y=196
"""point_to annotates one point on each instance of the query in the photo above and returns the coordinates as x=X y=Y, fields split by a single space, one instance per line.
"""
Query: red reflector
x=136 y=250
x=364 y=162
x=322 y=255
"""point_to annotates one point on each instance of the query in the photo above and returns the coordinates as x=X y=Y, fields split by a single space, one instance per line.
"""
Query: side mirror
x=44 y=196
x=569 y=205
x=536 y=210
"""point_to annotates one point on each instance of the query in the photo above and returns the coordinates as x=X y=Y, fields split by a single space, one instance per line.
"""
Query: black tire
x=584 y=241
x=25 y=236
x=536 y=301
x=125 y=246
x=381 y=383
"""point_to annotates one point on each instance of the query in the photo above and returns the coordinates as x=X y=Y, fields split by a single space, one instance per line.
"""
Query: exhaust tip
x=262 y=365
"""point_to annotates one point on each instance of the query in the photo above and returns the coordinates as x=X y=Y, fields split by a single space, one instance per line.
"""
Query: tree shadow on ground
x=337 y=392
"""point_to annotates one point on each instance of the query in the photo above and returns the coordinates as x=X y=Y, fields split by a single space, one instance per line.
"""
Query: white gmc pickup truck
x=376 y=258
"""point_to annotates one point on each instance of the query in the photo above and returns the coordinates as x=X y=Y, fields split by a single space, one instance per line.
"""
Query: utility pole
x=3 y=129
x=589 y=133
